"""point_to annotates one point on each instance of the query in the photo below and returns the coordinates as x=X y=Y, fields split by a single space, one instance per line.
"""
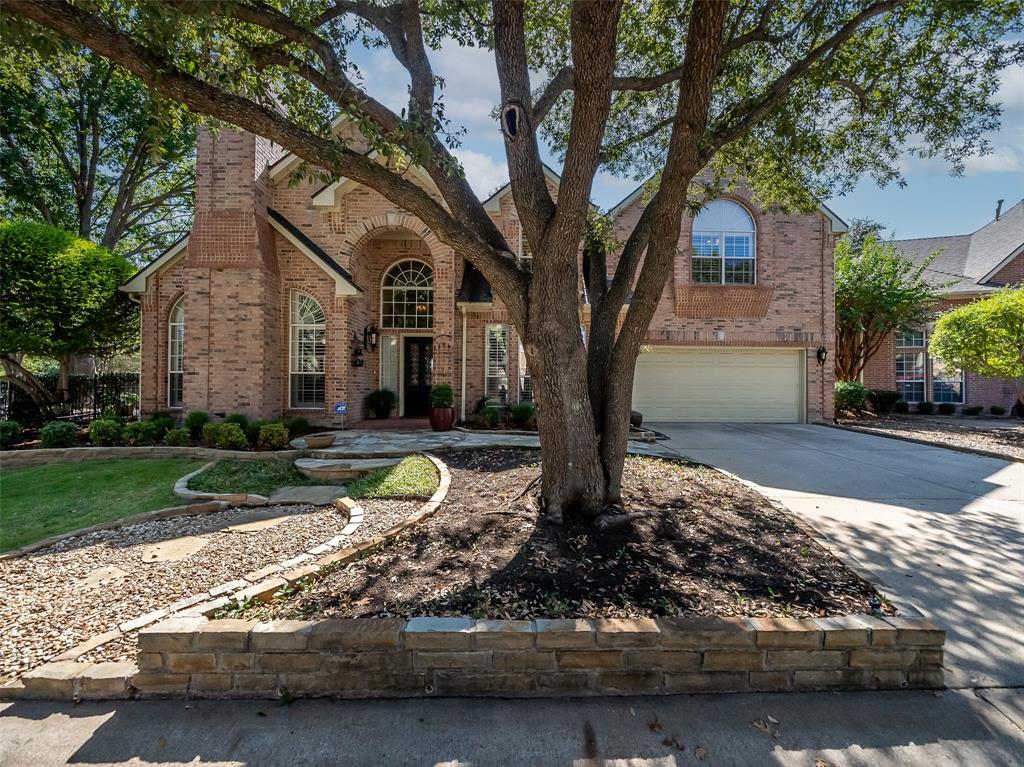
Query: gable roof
x=970 y=261
x=493 y=203
x=344 y=285
x=138 y=281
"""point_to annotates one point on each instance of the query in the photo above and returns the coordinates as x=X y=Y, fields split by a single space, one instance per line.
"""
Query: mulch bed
x=696 y=543
x=995 y=436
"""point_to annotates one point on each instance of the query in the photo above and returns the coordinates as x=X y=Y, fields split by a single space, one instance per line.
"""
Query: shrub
x=110 y=413
x=883 y=400
x=441 y=395
x=9 y=433
x=297 y=426
x=240 y=419
x=997 y=410
x=273 y=436
x=105 y=432
x=851 y=396
x=230 y=437
x=901 y=406
x=195 y=421
x=59 y=434
x=488 y=418
x=946 y=408
x=522 y=415
x=479 y=405
x=177 y=437
x=926 y=407
x=210 y=432
x=163 y=421
x=973 y=409
x=252 y=431
x=141 y=433
x=381 y=401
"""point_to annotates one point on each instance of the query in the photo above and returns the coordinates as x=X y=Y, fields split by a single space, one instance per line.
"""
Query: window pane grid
x=307 y=352
x=496 y=365
x=947 y=383
x=723 y=245
x=910 y=376
x=176 y=355
x=525 y=382
x=407 y=297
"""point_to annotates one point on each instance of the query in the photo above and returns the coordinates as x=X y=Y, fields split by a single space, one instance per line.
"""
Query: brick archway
x=374 y=226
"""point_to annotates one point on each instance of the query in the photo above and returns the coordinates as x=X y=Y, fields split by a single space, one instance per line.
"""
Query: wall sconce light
x=370 y=337
x=822 y=355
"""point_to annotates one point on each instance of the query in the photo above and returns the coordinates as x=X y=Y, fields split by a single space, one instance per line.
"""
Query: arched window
x=176 y=354
x=307 y=334
x=724 y=245
x=407 y=296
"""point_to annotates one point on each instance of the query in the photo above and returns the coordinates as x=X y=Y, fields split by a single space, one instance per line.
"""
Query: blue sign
x=341 y=408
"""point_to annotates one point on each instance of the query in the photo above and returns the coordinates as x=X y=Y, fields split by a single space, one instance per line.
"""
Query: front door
x=416 y=384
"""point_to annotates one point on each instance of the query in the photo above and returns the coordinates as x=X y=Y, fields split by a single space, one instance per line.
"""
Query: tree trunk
x=63 y=393
x=21 y=377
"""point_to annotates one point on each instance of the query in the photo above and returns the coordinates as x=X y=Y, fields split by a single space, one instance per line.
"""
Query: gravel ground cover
x=693 y=542
x=1003 y=437
x=46 y=607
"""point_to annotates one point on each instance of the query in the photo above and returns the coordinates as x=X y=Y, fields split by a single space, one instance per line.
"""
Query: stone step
x=320 y=468
x=318 y=495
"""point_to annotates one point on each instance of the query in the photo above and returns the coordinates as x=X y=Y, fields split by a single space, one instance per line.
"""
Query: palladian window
x=176 y=354
x=407 y=296
x=724 y=245
x=307 y=344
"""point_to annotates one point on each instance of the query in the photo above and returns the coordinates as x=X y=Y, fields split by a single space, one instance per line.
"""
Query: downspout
x=462 y=368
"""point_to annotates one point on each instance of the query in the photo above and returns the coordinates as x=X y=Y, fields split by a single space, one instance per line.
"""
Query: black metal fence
x=89 y=396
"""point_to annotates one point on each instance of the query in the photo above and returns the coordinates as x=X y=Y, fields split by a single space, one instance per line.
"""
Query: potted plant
x=381 y=402
x=442 y=414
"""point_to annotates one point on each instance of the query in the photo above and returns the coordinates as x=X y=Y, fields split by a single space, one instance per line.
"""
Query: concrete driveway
x=942 y=529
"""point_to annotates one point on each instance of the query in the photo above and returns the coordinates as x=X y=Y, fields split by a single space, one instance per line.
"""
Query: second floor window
x=407 y=296
x=724 y=245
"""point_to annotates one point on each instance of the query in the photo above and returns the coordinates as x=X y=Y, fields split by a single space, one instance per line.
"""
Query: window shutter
x=496 y=365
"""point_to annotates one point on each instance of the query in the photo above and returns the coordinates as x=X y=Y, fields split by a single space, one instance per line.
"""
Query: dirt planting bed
x=696 y=543
x=1001 y=436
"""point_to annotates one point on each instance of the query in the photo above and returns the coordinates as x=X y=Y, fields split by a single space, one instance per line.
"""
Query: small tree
x=59 y=299
x=985 y=337
x=878 y=291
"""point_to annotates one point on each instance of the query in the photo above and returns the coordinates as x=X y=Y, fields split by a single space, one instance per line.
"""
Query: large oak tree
x=800 y=97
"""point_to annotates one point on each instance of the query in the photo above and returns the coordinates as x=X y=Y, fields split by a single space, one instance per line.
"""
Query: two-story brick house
x=969 y=267
x=289 y=297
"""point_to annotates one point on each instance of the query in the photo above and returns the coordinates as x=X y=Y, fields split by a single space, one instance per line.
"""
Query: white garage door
x=687 y=384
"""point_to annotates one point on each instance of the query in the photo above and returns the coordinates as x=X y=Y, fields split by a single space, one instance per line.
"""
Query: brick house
x=289 y=297
x=970 y=266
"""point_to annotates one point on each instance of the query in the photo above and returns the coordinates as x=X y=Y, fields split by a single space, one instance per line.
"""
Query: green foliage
x=297 y=426
x=901 y=406
x=883 y=400
x=209 y=434
x=973 y=409
x=522 y=414
x=878 y=291
x=195 y=421
x=925 y=407
x=139 y=433
x=242 y=476
x=163 y=421
x=240 y=419
x=177 y=437
x=273 y=436
x=851 y=396
x=997 y=410
x=58 y=434
x=441 y=395
x=229 y=436
x=381 y=402
x=10 y=431
x=414 y=477
x=252 y=430
x=488 y=418
x=946 y=408
x=88 y=149
x=106 y=432
x=985 y=337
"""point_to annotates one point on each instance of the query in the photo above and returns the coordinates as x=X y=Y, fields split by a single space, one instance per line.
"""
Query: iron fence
x=88 y=397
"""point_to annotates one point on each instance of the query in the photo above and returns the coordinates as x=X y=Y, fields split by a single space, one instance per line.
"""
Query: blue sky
x=933 y=203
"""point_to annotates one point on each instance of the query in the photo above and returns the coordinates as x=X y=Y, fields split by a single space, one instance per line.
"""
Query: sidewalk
x=840 y=729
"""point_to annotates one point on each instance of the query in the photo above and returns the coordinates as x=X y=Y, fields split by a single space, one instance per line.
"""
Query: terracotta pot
x=318 y=441
x=442 y=418
x=636 y=418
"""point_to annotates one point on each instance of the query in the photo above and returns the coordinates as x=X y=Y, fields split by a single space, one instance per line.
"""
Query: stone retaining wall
x=392 y=657
x=13 y=459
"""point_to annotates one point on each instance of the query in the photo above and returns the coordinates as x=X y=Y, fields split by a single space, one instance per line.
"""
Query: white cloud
x=1011 y=88
x=484 y=173
x=1002 y=159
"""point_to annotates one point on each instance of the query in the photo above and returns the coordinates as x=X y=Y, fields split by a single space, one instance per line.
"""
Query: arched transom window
x=176 y=354
x=724 y=244
x=407 y=296
x=307 y=344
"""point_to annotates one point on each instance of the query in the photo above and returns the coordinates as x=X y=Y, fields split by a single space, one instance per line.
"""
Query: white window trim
x=487 y=361
x=171 y=357
x=522 y=374
x=383 y=326
x=292 y=326
x=722 y=233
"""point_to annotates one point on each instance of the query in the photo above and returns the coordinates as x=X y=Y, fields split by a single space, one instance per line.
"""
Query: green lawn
x=414 y=477
x=40 y=501
x=260 y=477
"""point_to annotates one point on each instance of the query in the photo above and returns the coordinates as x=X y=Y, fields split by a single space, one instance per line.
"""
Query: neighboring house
x=291 y=297
x=970 y=266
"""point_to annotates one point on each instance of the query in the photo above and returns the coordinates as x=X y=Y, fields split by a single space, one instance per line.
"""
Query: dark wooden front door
x=418 y=355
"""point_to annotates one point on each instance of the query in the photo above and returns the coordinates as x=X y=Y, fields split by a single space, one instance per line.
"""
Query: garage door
x=753 y=385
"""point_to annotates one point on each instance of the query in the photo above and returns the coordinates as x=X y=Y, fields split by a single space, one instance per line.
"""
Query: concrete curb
x=928 y=443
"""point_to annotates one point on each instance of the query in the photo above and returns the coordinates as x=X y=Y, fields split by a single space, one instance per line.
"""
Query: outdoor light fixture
x=370 y=337
x=822 y=355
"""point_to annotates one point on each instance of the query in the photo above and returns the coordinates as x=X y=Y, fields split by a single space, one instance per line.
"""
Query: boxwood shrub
x=901 y=406
x=851 y=396
x=997 y=410
x=195 y=421
x=925 y=407
x=883 y=400
x=141 y=433
x=9 y=433
x=273 y=436
x=106 y=432
x=59 y=434
x=178 y=437
x=973 y=409
x=946 y=408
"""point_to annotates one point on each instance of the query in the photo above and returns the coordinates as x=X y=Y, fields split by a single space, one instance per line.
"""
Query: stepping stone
x=101 y=577
x=321 y=468
x=317 y=495
x=256 y=521
x=173 y=550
